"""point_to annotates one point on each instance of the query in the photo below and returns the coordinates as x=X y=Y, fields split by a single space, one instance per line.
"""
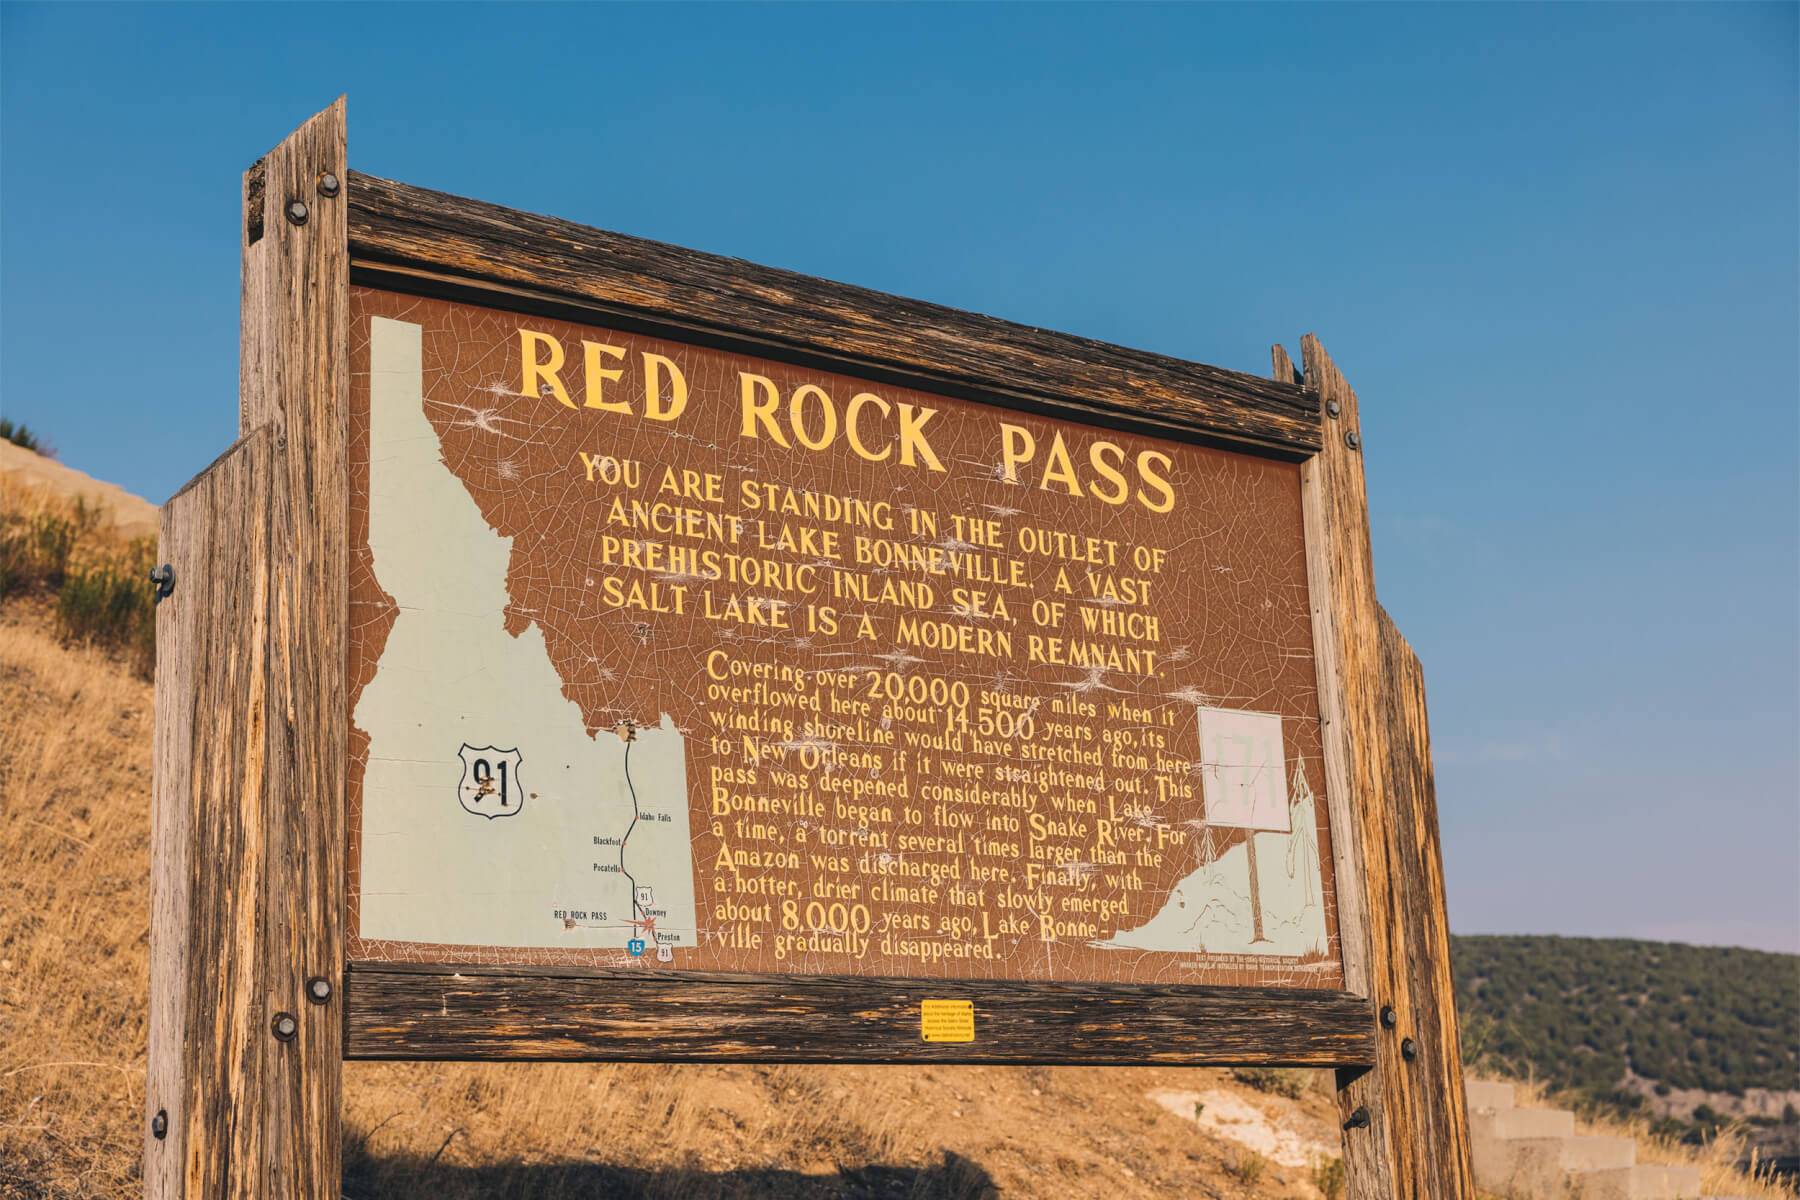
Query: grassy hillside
x=1682 y=1032
x=59 y=547
x=75 y=728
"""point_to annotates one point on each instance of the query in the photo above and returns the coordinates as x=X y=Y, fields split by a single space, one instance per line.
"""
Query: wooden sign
x=598 y=650
x=668 y=658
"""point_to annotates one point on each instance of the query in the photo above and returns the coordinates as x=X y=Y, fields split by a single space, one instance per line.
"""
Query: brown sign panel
x=668 y=658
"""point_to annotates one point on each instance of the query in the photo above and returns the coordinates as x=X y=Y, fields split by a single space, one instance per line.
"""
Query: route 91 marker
x=597 y=650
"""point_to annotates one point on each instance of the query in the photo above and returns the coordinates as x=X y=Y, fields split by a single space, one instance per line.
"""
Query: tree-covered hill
x=1580 y=1012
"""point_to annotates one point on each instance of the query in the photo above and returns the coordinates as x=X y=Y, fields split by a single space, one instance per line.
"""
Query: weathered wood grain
x=185 y=647
x=1283 y=370
x=1415 y=1144
x=209 y=1032
x=1366 y=1152
x=252 y=727
x=1346 y=852
x=428 y=241
x=1415 y=868
x=436 y=1011
x=295 y=377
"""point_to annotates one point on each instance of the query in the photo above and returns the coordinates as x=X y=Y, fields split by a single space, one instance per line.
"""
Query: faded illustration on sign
x=667 y=657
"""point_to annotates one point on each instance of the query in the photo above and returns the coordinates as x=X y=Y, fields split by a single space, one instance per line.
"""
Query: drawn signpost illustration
x=665 y=635
x=1245 y=787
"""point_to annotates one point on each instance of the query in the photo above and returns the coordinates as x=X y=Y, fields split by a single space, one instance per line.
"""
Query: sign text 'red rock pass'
x=671 y=657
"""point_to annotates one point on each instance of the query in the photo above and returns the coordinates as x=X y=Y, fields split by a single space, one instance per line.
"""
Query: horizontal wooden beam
x=438 y=1011
x=416 y=239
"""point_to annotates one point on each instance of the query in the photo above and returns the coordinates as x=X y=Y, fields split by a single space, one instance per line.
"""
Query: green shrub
x=113 y=604
x=64 y=551
x=1247 y=1166
x=18 y=435
x=1328 y=1177
x=1272 y=1080
x=36 y=545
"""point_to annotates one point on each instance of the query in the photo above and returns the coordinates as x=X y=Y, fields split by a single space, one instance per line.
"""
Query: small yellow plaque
x=947 y=1020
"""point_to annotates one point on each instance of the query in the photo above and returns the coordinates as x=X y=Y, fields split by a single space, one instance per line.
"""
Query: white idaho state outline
x=451 y=675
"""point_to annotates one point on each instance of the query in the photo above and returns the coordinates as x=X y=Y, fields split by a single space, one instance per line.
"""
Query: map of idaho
x=666 y=655
x=560 y=838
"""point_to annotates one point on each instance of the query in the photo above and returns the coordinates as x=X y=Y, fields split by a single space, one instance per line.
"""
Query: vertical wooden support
x=1406 y=1124
x=248 y=809
x=295 y=380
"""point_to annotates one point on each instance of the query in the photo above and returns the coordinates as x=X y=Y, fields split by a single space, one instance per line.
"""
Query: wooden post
x=1406 y=1124
x=247 y=887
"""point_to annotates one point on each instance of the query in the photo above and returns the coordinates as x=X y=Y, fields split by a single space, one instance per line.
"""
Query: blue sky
x=1554 y=248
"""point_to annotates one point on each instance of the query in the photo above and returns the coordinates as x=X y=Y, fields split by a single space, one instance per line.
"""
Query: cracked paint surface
x=907 y=788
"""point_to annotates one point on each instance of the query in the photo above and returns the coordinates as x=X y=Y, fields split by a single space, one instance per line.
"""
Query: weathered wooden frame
x=249 y=881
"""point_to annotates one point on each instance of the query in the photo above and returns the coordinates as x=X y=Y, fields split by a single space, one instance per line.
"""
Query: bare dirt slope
x=127 y=515
x=74 y=831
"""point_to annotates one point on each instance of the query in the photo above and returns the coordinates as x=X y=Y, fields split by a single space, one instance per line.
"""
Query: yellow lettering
x=1060 y=469
x=655 y=367
x=758 y=400
x=797 y=415
x=912 y=436
x=1098 y=455
x=598 y=377
x=1158 y=482
x=1016 y=448
x=535 y=375
x=850 y=432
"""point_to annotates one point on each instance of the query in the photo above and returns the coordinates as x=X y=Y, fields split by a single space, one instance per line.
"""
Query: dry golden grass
x=127 y=516
x=73 y=552
x=74 y=838
x=75 y=731
x=90 y=539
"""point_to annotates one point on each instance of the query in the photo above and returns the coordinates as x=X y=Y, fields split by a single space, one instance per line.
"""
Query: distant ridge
x=128 y=515
x=1686 y=1035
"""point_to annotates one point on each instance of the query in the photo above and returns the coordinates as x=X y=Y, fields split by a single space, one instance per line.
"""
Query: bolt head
x=1331 y=408
x=1389 y=1018
x=1409 y=1049
x=285 y=1027
x=329 y=185
x=1351 y=440
x=318 y=989
x=159 y=1124
x=297 y=212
